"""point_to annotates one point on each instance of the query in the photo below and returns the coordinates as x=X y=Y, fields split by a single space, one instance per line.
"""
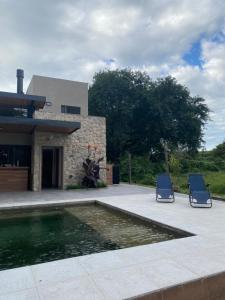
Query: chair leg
x=190 y=200
x=208 y=206
x=173 y=197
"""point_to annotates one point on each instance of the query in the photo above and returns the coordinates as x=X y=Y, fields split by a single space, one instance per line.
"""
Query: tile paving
x=127 y=272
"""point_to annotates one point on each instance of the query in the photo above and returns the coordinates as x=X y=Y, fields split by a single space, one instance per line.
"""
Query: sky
x=74 y=39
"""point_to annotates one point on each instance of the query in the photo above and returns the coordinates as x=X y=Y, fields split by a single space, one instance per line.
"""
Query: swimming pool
x=32 y=236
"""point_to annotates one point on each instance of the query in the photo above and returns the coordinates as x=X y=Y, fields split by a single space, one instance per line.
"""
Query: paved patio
x=127 y=272
x=48 y=196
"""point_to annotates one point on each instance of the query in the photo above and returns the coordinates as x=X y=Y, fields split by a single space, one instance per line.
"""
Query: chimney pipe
x=20 y=76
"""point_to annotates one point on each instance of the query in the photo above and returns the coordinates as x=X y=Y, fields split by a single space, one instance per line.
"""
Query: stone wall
x=91 y=135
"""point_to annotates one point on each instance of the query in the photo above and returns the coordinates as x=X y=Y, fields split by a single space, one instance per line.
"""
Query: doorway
x=51 y=167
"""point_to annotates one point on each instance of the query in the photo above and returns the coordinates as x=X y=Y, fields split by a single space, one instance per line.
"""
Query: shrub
x=148 y=179
x=101 y=184
x=73 y=187
x=142 y=169
x=174 y=164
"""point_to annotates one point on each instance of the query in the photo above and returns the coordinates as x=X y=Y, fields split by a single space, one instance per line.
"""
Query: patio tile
x=166 y=272
x=123 y=283
x=15 y=280
x=57 y=271
x=127 y=272
x=30 y=294
x=202 y=264
x=100 y=262
x=140 y=254
x=78 y=289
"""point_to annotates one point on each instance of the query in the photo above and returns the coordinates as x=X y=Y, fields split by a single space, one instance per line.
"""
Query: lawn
x=144 y=173
x=216 y=181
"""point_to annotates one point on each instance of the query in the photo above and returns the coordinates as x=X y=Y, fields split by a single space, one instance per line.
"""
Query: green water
x=41 y=235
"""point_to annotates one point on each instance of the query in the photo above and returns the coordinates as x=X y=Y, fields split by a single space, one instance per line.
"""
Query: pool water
x=35 y=236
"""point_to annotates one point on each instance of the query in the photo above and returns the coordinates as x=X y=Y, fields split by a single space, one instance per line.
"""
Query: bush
x=174 y=164
x=142 y=169
x=100 y=184
x=73 y=187
x=148 y=179
x=145 y=171
x=216 y=182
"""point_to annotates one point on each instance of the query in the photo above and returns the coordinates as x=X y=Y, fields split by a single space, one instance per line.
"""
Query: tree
x=114 y=95
x=140 y=111
x=181 y=118
x=219 y=151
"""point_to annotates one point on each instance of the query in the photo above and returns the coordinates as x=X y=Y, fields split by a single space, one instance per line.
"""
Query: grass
x=212 y=168
x=216 y=181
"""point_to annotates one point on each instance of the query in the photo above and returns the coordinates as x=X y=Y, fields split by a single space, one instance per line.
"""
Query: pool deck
x=125 y=273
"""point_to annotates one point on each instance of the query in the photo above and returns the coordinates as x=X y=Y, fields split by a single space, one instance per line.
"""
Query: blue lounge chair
x=199 y=195
x=164 y=188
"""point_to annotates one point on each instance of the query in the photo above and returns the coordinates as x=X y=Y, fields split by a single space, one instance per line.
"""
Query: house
x=46 y=134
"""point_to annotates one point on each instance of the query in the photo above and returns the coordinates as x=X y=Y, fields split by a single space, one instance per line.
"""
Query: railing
x=19 y=112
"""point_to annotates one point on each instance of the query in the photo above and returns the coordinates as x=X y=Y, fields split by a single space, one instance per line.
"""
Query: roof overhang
x=21 y=100
x=28 y=125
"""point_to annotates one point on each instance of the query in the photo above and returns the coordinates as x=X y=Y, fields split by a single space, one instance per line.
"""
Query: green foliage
x=100 y=184
x=181 y=164
x=143 y=171
x=174 y=164
x=219 y=151
x=73 y=187
x=140 y=111
x=216 y=181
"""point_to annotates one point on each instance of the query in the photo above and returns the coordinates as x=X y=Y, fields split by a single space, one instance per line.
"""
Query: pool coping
x=205 y=288
x=94 y=201
x=112 y=202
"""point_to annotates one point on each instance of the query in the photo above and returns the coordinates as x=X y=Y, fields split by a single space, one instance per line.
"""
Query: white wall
x=60 y=92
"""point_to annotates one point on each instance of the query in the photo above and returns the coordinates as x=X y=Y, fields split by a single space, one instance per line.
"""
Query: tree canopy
x=219 y=151
x=140 y=111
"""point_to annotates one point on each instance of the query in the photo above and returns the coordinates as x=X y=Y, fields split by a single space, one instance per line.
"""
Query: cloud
x=74 y=39
x=208 y=82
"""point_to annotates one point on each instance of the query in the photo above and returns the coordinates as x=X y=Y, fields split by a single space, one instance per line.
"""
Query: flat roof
x=21 y=100
x=60 y=79
x=28 y=125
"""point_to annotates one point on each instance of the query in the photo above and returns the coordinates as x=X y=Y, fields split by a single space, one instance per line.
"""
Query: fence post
x=166 y=149
x=129 y=168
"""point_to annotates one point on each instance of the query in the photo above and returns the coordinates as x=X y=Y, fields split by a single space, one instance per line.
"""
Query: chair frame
x=165 y=200
x=199 y=205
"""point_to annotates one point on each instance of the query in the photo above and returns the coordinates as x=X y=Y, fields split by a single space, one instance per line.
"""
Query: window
x=66 y=109
x=13 y=111
x=12 y=155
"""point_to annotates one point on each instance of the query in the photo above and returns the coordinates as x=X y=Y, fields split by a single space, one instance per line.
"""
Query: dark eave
x=21 y=100
x=28 y=125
